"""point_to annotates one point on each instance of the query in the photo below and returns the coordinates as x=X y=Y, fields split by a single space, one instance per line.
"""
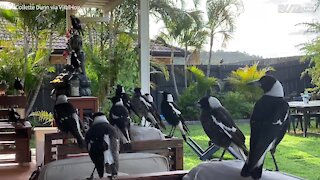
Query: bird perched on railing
x=173 y=115
x=103 y=146
x=144 y=109
x=67 y=119
x=18 y=85
x=14 y=116
x=121 y=93
x=220 y=127
x=76 y=24
x=269 y=122
x=119 y=116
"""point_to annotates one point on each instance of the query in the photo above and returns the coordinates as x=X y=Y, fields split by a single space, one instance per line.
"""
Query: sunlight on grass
x=295 y=154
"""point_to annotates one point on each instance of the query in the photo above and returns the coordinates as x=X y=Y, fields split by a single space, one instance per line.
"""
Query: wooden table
x=84 y=103
x=306 y=109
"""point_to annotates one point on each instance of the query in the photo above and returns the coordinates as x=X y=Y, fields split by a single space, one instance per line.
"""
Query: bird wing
x=265 y=129
x=174 y=108
x=226 y=123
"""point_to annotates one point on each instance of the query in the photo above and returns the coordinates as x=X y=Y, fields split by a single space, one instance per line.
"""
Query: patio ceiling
x=103 y=4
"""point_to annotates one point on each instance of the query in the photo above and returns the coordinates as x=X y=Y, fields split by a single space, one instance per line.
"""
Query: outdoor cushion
x=230 y=169
x=139 y=133
x=81 y=167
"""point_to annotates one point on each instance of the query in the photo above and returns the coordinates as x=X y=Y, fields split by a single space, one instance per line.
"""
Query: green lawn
x=295 y=154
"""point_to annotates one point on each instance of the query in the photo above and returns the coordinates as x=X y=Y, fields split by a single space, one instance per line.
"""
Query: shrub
x=237 y=104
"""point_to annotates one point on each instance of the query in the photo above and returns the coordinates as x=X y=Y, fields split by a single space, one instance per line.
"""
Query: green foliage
x=242 y=76
x=313 y=54
x=43 y=117
x=194 y=92
x=238 y=106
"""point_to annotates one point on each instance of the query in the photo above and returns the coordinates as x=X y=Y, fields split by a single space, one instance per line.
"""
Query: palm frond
x=43 y=116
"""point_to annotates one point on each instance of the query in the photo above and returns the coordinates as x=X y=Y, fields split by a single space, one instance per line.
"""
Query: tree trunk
x=42 y=74
x=185 y=67
x=26 y=52
x=210 y=55
x=173 y=74
x=114 y=70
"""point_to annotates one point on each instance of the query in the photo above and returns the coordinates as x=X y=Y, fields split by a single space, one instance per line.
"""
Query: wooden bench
x=172 y=148
x=14 y=138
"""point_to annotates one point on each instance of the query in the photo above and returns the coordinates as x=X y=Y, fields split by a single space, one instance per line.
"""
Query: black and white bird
x=220 y=127
x=76 y=24
x=148 y=97
x=103 y=146
x=67 y=119
x=14 y=116
x=144 y=109
x=269 y=122
x=18 y=85
x=119 y=117
x=121 y=93
x=75 y=62
x=173 y=115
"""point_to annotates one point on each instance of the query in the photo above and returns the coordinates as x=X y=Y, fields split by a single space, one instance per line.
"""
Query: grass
x=295 y=155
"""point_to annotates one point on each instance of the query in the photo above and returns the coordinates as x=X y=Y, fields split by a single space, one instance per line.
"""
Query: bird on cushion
x=119 y=116
x=268 y=123
x=76 y=24
x=173 y=115
x=18 y=85
x=103 y=146
x=120 y=92
x=67 y=119
x=148 y=97
x=143 y=108
x=220 y=127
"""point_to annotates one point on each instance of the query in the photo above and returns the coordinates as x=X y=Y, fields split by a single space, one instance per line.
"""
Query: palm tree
x=221 y=20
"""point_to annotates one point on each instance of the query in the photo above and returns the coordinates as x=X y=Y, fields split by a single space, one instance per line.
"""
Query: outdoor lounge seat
x=229 y=169
x=81 y=167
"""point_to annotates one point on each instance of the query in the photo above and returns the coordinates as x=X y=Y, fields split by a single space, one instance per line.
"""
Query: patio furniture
x=14 y=137
x=85 y=104
x=171 y=148
x=307 y=109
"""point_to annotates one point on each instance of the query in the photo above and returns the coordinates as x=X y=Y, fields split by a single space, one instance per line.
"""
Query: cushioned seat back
x=81 y=167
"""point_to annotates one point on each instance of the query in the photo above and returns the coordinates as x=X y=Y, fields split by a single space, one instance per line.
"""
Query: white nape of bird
x=103 y=146
x=220 y=127
x=268 y=122
x=67 y=119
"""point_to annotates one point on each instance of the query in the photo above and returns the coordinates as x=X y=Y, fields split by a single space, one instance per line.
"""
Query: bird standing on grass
x=269 y=122
x=103 y=146
x=220 y=127
x=67 y=119
x=173 y=115
x=144 y=109
x=119 y=116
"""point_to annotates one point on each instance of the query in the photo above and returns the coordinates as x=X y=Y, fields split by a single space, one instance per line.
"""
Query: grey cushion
x=230 y=169
x=81 y=167
x=139 y=133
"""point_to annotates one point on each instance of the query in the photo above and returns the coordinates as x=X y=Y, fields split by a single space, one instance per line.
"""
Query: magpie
x=148 y=97
x=268 y=123
x=220 y=127
x=119 y=117
x=67 y=119
x=173 y=115
x=76 y=24
x=75 y=62
x=18 y=85
x=144 y=109
x=103 y=146
x=14 y=116
x=121 y=93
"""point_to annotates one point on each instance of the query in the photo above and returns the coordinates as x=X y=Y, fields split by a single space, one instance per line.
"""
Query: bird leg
x=91 y=177
x=224 y=151
x=274 y=159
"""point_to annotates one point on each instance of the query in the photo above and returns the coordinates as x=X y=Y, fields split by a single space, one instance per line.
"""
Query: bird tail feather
x=240 y=152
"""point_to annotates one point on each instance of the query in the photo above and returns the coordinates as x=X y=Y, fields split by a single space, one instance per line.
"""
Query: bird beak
x=160 y=92
x=254 y=83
